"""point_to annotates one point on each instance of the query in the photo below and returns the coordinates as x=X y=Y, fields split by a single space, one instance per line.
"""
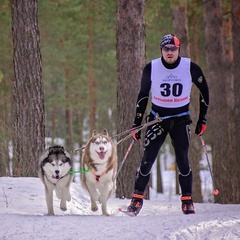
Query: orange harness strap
x=98 y=176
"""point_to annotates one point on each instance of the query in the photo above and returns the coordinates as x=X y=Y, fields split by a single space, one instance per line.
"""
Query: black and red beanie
x=169 y=39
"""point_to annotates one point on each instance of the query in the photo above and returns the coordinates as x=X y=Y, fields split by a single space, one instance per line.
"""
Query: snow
x=23 y=216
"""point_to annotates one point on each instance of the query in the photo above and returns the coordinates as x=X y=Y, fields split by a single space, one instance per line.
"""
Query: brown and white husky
x=100 y=158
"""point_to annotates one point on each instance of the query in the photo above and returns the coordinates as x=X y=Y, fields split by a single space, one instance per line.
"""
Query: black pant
x=179 y=131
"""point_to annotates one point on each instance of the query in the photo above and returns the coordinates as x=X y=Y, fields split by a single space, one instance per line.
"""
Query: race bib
x=171 y=88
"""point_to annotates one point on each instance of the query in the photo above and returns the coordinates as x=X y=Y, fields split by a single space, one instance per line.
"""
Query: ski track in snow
x=23 y=217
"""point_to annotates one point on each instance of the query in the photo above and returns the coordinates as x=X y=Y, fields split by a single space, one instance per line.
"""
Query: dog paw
x=106 y=214
x=50 y=214
x=104 y=210
x=94 y=208
x=63 y=208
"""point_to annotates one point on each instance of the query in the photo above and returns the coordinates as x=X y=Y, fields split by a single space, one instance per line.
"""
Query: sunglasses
x=171 y=48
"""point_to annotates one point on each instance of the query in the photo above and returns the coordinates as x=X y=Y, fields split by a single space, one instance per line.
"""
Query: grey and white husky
x=100 y=157
x=54 y=167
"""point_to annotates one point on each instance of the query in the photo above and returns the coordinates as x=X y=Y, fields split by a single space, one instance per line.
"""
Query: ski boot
x=187 y=205
x=136 y=203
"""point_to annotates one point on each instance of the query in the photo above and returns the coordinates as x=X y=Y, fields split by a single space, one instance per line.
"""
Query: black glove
x=136 y=135
x=201 y=125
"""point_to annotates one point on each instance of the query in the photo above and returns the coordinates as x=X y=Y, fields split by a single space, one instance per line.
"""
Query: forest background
x=86 y=71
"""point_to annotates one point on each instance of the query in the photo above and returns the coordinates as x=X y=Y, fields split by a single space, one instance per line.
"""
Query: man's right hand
x=201 y=125
x=136 y=135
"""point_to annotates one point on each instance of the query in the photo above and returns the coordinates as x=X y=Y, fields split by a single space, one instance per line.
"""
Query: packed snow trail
x=23 y=217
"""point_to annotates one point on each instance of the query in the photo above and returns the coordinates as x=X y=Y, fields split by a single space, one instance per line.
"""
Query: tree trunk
x=181 y=30
x=235 y=169
x=180 y=25
x=222 y=153
x=28 y=138
x=5 y=131
x=79 y=132
x=92 y=100
x=69 y=127
x=195 y=151
x=130 y=63
x=6 y=73
x=53 y=122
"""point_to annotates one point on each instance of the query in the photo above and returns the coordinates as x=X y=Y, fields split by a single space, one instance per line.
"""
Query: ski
x=131 y=214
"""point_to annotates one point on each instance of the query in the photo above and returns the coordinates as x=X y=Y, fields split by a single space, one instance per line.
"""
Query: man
x=169 y=79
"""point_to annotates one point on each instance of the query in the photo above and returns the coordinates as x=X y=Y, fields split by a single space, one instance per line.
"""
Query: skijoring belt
x=166 y=117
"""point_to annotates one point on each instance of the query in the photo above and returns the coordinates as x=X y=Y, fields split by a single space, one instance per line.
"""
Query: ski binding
x=131 y=214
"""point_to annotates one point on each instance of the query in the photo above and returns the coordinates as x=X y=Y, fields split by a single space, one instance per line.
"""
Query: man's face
x=170 y=53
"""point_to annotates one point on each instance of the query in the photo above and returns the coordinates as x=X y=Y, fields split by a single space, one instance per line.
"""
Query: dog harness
x=98 y=176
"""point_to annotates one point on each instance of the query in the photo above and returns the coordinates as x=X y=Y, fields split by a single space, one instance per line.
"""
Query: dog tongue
x=55 y=177
x=101 y=155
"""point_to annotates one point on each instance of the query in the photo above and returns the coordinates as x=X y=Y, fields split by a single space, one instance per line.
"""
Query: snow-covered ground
x=23 y=217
